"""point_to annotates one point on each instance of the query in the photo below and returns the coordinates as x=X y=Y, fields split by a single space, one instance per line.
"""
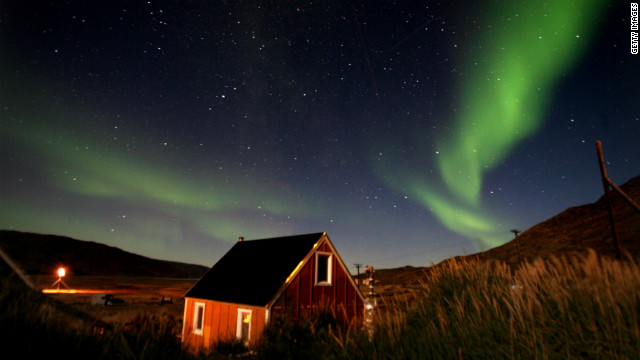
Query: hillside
x=42 y=254
x=573 y=230
x=577 y=229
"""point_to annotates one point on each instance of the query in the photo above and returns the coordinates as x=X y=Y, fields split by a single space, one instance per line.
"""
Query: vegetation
x=577 y=307
x=36 y=326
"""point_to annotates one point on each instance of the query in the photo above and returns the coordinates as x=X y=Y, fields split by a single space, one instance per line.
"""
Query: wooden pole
x=605 y=184
x=624 y=195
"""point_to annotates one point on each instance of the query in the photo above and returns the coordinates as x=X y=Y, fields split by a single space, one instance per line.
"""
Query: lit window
x=198 y=318
x=323 y=268
x=243 y=329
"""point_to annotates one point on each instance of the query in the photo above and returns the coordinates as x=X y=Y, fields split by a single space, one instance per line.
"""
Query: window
x=323 y=268
x=244 y=325
x=198 y=318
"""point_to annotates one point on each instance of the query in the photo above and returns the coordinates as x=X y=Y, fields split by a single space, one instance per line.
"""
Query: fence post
x=605 y=184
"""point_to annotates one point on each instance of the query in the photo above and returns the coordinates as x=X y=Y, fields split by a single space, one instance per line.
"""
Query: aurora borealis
x=504 y=97
x=407 y=132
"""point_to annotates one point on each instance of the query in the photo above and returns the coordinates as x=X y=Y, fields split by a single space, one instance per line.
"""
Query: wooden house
x=257 y=280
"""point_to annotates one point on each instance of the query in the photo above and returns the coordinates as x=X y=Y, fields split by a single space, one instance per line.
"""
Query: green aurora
x=517 y=59
x=95 y=167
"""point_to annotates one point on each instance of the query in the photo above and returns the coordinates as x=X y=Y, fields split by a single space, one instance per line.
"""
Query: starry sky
x=409 y=131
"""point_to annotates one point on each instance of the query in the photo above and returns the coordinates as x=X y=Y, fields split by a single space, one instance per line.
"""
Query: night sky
x=408 y=131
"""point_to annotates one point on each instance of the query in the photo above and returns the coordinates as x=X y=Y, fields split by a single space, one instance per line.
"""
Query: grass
x=579 y=307
x=563 y=308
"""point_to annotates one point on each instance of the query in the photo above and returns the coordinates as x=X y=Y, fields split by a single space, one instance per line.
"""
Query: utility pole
x=516 y=232
x=358 y=267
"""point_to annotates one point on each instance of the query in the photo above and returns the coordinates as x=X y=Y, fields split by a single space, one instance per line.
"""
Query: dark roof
x=254 y=270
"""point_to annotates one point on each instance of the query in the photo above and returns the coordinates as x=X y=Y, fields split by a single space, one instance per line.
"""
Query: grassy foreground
x=578 y=307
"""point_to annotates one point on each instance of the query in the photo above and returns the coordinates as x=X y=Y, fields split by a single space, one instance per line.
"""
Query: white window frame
x=241 y=313
x=198 y=328
x=329 y=281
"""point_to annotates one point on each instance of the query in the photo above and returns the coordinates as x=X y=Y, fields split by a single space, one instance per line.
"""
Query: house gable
x=303 y=294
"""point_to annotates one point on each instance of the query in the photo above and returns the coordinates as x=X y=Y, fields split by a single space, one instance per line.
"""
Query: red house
x=257 y=280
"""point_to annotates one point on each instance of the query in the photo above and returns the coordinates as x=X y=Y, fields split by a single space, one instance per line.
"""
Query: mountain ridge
x=40 y=254
x=572 y=231
x=577 y=229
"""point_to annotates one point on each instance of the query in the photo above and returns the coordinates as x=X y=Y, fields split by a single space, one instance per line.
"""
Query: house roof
x=253 y=271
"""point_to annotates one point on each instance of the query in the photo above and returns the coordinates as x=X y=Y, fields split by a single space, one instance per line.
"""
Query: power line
x=413 y=253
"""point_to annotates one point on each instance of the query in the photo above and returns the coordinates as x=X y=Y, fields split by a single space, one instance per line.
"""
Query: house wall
x=220 y=323
x=303 y=297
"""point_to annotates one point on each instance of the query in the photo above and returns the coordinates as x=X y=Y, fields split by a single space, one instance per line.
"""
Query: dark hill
x=42 y=254
x=572 y=231
x=578 y=229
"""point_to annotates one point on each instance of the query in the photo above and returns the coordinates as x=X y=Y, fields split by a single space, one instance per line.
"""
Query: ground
x=138 y=295
x=144 y=295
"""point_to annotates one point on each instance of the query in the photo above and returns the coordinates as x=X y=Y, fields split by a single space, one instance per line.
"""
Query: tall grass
x=562 y=308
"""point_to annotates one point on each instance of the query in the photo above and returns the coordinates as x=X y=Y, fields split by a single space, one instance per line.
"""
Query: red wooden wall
x=220 y=323
x=302 y=297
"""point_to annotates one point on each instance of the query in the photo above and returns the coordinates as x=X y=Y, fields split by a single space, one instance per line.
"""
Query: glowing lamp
x=61 y=273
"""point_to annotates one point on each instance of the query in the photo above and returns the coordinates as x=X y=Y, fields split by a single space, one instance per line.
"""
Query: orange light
x=293 y=272
x=68 y=291
x=247 y=318
x=61 y=272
